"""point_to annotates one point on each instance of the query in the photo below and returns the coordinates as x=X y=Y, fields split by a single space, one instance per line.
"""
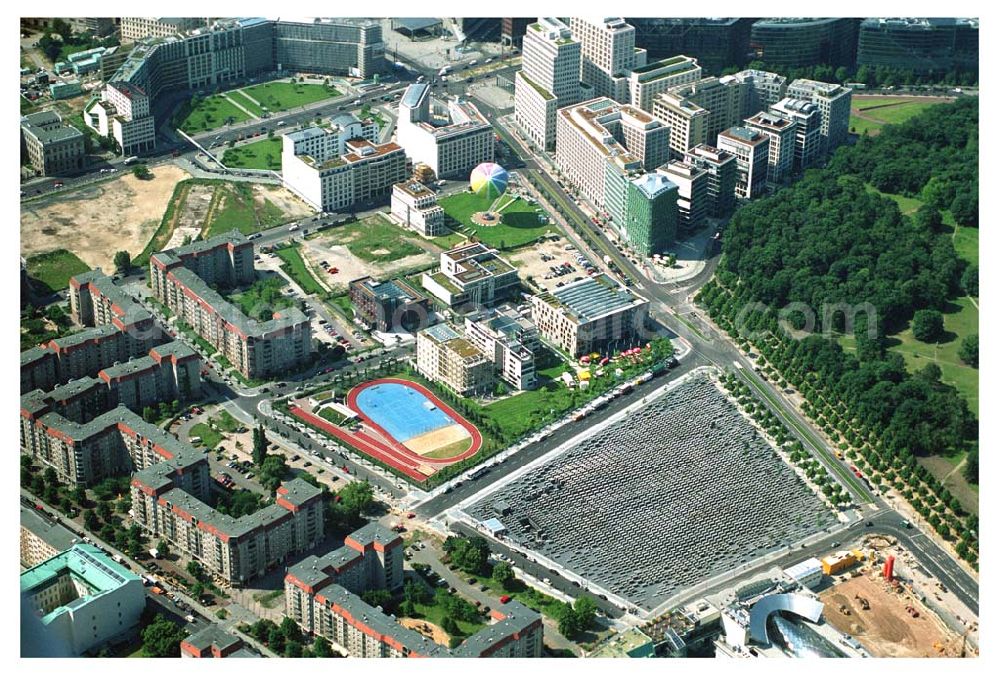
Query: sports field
x=402 y=424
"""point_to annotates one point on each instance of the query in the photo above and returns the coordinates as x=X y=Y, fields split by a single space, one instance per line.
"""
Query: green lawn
x=238 y=209
x=211 y=112
x=961 y=320
x=52 y=270
x=260 y=155
x=245 y=101
x=282 y=96
x=435 y=613
x=226 y=422
x=263 y=298
x=966 y=241
x=519 y=225
x=209 y=437
x=343 y=303
x=375 y=239
x=886 y=111
x=293 y=265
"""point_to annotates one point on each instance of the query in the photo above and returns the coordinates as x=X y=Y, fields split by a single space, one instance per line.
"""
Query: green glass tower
x=651 y=222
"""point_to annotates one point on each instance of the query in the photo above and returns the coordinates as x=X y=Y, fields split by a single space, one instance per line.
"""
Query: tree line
x=877 y=76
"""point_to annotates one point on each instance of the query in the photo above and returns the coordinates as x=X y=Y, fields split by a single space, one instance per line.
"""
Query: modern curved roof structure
x=810 y=609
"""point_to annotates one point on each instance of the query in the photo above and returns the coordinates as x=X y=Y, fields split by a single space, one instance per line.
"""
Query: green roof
x=548 y=96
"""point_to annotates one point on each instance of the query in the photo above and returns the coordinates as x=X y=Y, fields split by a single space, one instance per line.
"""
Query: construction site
x=680 y=490
x=880 y=603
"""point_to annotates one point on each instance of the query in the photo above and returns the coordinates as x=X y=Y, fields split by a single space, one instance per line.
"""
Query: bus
x=130 y=160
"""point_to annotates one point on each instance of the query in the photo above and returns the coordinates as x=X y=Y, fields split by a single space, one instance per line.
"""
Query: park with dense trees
x=831 y=241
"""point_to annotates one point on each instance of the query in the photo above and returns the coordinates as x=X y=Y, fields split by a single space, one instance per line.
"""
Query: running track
x=385 y=448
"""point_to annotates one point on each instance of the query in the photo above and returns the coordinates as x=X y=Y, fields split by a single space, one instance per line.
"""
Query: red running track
x=477 y=438
x=389 y=450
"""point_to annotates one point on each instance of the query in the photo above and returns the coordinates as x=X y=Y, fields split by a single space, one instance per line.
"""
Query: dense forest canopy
x=830 y=239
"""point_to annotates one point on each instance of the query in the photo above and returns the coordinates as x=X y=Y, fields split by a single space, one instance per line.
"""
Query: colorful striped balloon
x=489 y=180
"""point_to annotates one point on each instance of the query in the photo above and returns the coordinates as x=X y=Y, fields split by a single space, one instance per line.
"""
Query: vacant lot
x=886 y=629
x=96 y=221
x=520 y=222
x=376 y=239
x=284 y=95
x=260 y=155
x=373 y=246
x=531 y=265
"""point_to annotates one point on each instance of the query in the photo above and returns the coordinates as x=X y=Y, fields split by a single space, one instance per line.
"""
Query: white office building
x=645 y=82
x=761 y=90
x=781 y=150
x=608 y=54
x=450 y=138
x=509 y=340
x=808 y=141
x=752 y=149
x=692 y=194
x=834 y=104
x=415 y=207
x=123 y=112
x=549 y=79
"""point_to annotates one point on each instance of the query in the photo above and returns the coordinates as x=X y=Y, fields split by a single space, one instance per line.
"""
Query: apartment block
x=645 y=82
x=472 y=274
x=834 y=104
x=761 y=90
x=549 y=79
x=448 y=358
x=388 y=306
x=322 y=595
x=236 y=550
x=589 y=314
x=451 y=139
x=509 y=340
x=124 y=112
x=83 y=599
x=719 y=166
x=595 y=131
x=607 y=55
x=181 y=279
x=49 y=146
x=692 y=194
x=42 y=537
x=697 y=112
x=329 y=179
x=781 y=151
x=415 y=206
x=752 y=150
x=82 y=354
x=170 y=372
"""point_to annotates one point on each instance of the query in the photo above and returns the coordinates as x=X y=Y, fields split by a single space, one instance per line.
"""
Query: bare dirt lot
x=530 y=263
x=286 y=201
x=96 y=221
x=886 y=628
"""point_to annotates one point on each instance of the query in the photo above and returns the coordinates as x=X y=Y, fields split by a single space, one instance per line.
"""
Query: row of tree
x=878 y=76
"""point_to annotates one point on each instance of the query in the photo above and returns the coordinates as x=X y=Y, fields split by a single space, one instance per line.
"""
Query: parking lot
x=552 y=264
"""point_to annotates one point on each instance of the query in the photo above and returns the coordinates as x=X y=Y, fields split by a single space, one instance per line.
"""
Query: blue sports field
x=400 y=410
